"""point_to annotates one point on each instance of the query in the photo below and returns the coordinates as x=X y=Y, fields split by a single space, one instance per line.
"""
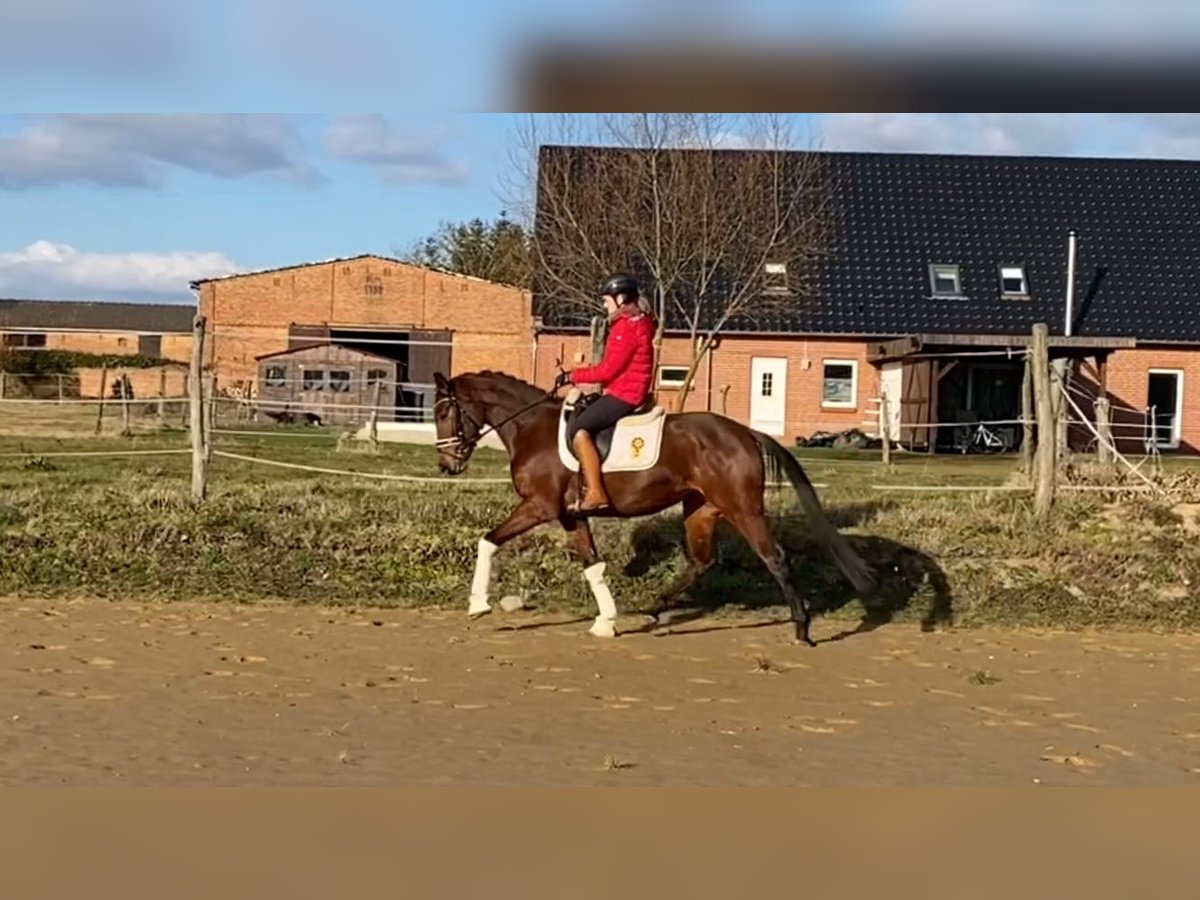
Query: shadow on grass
x=907 y=579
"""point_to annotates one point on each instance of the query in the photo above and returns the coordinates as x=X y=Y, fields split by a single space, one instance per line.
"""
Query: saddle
x=632 y=445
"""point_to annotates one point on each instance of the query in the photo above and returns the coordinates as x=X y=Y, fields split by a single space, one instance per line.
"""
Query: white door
x=768 y=394
x=892 y=386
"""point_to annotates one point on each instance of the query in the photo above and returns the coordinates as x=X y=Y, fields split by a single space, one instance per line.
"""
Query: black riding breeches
x=603 y=412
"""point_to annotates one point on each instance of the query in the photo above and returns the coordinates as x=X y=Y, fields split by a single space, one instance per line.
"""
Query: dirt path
x=97 y=694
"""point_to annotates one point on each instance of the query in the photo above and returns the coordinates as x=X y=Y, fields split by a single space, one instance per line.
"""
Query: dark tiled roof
x=1137 y=261
x=52 y=315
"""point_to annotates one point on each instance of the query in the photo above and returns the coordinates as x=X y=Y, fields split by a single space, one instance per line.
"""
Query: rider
x=624 y=373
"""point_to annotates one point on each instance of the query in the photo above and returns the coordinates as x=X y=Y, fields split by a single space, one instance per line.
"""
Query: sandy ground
x=93 y=693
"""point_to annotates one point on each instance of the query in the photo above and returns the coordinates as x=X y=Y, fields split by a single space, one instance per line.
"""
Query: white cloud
x=394 y=155
x=46 y=269
x=138 y=150
x=115 y=37
x=1170 y=135
x=986 y=133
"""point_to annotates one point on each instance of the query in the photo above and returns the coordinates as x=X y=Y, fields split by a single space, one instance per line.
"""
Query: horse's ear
x=442 y=384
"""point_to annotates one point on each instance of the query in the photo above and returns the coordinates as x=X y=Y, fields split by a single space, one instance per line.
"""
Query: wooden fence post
x=162 y=397
x=374 y=423
x=196 y=405
x=1027 y=420
x=100 y=405
x=1047 y=436
x=126 y=389
x=210 y=409
x=1104 y=431
x=211 y=394
x=885 y=430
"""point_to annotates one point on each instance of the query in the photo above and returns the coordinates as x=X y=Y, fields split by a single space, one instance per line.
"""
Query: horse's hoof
x=478 y=612
x=603 y=628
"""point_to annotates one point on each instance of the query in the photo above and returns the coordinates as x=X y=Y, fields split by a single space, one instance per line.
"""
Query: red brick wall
x=173 y=346
x=250 y=314
x=145 y=382
x=1128 y=383
x=731 y=365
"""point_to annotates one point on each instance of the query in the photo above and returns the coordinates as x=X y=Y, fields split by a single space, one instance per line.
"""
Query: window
x=276 y=376
x=376 y=376
x=122 y=342
x=25 y=340
x=671 y=376
x=339 y=381
x=839 y=388
x=1012 y=281
x=150 y=344
x=944 y=281
x=776 y=281
x=313 y=380
x=767 y=387
x=374 y=288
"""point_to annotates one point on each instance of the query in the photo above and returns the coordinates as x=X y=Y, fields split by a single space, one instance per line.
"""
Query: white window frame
x=669 y=384
x=776 y=278
x=1177 y=418
x=853 y=401
x=934 y=271
x=281 y=381
x=319 y=385
x=1024 y=291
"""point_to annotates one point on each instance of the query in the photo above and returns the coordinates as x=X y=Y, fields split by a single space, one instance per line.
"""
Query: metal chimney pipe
x=1070 y=282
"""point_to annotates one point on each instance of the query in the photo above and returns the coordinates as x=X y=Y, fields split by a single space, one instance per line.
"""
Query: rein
x=459 y=441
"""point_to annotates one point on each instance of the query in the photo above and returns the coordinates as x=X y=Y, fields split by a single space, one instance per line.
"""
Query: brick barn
x=424 y=320
x=938 y=267
x=108 y=329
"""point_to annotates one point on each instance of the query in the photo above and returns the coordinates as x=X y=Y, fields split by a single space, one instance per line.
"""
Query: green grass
x=125 y=527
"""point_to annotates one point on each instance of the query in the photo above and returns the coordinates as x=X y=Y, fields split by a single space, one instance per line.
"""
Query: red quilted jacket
x=627 y=368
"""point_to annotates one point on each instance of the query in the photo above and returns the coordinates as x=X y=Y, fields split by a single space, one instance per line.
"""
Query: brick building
x=109 y=329
x=937 y=268
x=163 y=330
x=426 y=320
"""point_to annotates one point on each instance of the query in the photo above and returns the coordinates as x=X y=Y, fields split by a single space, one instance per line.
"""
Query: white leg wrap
x=482 y=583
x=605 y=624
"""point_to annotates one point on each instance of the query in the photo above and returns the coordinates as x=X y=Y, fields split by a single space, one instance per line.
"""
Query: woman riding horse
x=625 y=373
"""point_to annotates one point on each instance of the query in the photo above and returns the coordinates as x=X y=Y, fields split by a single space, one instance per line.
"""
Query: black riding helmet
x=621 y=283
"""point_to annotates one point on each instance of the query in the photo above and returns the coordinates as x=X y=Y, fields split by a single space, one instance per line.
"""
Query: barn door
x=914 y=404
x=301 y=336
x=428 y=352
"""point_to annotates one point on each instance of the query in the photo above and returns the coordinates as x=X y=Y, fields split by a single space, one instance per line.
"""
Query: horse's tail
x=779 y=462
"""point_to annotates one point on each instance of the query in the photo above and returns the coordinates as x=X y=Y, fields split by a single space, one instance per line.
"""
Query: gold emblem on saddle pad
x=637 y=444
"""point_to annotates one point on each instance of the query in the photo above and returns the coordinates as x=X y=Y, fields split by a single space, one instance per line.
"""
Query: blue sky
x=133 y=206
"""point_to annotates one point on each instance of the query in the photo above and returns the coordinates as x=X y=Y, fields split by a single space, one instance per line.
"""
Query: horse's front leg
x=584 y=546
x=528 y=515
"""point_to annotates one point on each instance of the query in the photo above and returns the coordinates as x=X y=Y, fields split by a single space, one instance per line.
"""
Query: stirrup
x=576 y=508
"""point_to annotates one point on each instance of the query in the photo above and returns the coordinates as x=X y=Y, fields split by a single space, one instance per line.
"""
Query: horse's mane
x=505 y=379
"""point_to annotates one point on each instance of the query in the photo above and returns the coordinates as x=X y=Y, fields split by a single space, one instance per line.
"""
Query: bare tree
x=723 y=223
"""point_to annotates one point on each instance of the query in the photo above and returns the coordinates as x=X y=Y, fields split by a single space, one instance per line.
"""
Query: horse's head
x=458 y=422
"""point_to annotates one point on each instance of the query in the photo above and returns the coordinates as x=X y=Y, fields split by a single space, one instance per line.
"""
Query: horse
x=715 y=466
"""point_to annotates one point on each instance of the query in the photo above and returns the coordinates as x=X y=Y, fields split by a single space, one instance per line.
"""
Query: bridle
x=459 y=445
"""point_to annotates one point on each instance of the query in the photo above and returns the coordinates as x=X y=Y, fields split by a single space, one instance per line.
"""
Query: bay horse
x=716 y=467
